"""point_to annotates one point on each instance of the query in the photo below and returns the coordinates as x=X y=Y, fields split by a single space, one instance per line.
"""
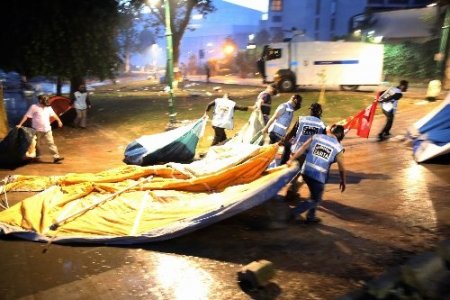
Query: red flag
x=362 y=121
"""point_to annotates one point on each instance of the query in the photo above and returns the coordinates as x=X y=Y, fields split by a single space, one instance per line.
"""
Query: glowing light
x=229 y=49
x=378 y=39
x=153 y=3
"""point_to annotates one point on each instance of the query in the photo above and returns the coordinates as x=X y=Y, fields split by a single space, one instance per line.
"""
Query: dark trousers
x=316 y=189
x=389 y=121
x=219 y=135
x=274 y=138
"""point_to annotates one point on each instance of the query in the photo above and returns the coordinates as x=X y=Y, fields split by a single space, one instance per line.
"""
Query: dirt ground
x=393 y=209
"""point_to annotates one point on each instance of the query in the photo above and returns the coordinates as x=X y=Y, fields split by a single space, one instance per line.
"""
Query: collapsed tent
x=17 y=147
x=251 y=132
x=62 y=106
x=431 y=134
x=136 y=204
x=177 y=145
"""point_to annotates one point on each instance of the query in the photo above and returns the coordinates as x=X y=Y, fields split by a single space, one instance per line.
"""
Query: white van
x=345 y=64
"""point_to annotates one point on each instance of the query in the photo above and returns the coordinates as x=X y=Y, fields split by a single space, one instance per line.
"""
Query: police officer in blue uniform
x=305 y=127
x=322 y=151
x=279 y=123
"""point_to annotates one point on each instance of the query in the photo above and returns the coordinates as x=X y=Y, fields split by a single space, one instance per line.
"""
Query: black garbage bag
x=14 y=146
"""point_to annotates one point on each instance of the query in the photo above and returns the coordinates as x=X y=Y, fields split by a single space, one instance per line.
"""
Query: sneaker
x=384 y=136
x=58 y=160
x=313 y=220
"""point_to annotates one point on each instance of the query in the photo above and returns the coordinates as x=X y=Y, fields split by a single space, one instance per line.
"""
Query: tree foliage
x=180 y=15
x=69 y=39
x=410 y=60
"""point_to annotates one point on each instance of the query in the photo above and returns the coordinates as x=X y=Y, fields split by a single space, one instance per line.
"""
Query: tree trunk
x=58 y=86
x=4 y=128
x=127 y=62
x=446 y=80
x=176 y=57
x=75 y=83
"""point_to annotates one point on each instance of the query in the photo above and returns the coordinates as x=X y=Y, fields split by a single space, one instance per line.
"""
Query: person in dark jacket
x=264 y=101
x=389 y=101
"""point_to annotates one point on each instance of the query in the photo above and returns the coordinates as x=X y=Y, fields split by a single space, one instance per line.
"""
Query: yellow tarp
x=152 y=204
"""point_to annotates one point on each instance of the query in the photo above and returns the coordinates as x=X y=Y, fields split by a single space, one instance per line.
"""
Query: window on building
x=276 y=19
x=273 y=53
x=277 y=5
x=398 y=2
x=318 y=7
x=422 y=2
x=333 y=24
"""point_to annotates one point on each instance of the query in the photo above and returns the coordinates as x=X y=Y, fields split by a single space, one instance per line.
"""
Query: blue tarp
x=431 y=134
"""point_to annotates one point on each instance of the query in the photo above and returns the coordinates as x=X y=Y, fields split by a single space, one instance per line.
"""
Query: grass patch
x=140 y=108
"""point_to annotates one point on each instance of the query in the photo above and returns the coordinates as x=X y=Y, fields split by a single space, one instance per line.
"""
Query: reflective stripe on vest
x=307 y=126
x=223 y=113
x=281 y=124
x=321 y=154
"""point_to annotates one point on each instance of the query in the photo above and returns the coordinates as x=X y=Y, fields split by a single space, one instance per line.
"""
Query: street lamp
x=169 y=51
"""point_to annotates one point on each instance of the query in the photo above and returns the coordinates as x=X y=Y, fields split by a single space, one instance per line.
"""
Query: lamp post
x=442 y=55
x=169 y=52
x=172 y=113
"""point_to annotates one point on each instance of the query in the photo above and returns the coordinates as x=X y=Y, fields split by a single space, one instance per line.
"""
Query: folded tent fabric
x=136 y=216
x=160 y=209
x=251 y=132
x=177 y=145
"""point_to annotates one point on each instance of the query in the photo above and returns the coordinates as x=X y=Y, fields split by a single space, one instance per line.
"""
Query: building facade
x=324 y=20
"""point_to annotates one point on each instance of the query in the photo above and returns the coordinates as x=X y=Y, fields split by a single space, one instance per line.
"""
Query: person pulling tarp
x=17 y=147
x=431 y=134
x=177 y=145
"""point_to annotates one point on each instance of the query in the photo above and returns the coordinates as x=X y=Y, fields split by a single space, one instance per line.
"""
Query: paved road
x=392 y=209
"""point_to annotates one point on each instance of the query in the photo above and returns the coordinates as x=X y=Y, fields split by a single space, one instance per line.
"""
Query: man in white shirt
x=40 y=114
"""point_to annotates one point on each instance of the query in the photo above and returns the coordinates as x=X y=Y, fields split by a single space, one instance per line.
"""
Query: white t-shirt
x=80 y=100
x=40 y=117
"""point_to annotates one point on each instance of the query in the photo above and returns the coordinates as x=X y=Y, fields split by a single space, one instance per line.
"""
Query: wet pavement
x=393 y=208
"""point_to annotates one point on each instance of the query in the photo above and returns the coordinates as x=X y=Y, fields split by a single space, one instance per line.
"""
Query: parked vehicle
x=345 y=64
